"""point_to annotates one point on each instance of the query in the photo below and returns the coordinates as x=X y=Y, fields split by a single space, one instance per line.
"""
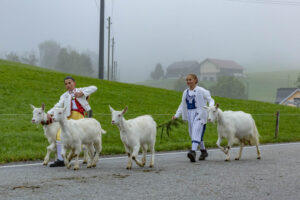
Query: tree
x=158 y=73
x=71 y=61
x=230 y=87
x=29 y=58
x=298 y=81
x=12 y=56
x=49 y=51
x=180 y=84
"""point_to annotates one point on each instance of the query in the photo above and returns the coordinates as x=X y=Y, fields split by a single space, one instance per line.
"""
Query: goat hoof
x=140 y=164
x=258 y=157
x=128 y=168
x=84 y=162
x=89 y=166
x=151 y=166
x=76 y=168
x=45 y=163
x=226 y=160
x=237 y=159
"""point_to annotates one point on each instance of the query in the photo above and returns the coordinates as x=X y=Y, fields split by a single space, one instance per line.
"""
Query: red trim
x=79 y=109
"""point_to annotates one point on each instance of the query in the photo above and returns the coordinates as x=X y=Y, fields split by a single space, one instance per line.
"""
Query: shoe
x=192 y=155
x=203 y=155
x=58 y=163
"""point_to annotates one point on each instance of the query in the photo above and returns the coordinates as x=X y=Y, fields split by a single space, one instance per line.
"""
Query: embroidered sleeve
x=208 y=98
x=59 y=104
x=87 y=91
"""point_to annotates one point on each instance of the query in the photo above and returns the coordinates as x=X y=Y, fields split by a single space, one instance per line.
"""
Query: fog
x=259 y=35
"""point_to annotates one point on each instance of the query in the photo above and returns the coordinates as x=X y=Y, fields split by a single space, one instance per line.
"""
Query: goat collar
x=47 y=122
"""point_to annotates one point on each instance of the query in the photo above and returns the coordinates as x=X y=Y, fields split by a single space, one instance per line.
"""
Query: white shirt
x=202 y=98
x=65 y=100
x=74 y=106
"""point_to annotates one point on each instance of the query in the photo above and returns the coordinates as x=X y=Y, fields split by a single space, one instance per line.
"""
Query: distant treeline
x=53 y=56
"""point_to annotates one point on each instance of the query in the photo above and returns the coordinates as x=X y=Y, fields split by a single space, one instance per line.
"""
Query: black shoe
x=58 y=163
x=192 y=156
x=203 y=155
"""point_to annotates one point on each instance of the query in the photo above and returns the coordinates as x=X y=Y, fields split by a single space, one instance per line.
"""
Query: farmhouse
x=212 y=69
x=183 y=68
x=209 y=69
x=288 y=96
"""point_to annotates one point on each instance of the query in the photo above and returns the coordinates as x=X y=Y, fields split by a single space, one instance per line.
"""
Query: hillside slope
x=21 y=85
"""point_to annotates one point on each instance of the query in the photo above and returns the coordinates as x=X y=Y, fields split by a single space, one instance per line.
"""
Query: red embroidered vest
x=79 y=109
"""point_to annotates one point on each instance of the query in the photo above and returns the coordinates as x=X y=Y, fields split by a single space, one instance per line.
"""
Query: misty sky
x=146 y=32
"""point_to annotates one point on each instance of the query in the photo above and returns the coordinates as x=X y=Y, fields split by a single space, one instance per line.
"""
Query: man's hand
x=49 y=117
x=173 y=118
x=78 y=94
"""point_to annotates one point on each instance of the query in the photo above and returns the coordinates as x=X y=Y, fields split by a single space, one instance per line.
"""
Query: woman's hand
x=173 y=118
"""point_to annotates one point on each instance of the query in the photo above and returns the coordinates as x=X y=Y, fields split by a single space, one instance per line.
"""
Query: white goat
x=74 y=133
x=136 y=133
x=236 y=126
x=50 y=129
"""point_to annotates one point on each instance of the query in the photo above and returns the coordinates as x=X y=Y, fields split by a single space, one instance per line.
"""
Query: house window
x=211 y=78
x=297 y=102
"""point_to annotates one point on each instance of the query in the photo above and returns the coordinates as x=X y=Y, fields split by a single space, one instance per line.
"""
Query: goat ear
x=32 y=106
x=205 y=107
x=111 y=109
x=43 y=106
x=65 y=109
x=124 y=110
x=217 y=105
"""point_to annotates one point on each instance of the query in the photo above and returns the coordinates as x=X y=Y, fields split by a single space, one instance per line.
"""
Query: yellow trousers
x=74 y=115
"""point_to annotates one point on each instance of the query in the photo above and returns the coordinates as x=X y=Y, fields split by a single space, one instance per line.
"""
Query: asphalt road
x=275 y=176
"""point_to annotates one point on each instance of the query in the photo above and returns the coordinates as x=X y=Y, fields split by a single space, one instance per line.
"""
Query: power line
x=274 y=2
x=97 y=6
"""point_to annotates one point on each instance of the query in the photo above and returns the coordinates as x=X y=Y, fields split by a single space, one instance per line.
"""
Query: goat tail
x=102 y=131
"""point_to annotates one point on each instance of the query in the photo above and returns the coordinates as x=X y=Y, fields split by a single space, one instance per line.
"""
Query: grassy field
x=21 y=85
x=262 y=85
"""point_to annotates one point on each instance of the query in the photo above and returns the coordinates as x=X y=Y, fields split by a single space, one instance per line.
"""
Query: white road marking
x=158 y=154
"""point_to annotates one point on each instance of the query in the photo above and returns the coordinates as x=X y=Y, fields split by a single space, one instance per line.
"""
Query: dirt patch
x=26 y=187
x=120 y=175
x=153 y=170
x=77 y=178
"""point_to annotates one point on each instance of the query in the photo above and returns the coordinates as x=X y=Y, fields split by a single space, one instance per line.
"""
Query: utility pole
x=101 y=42
x=108 y=50
x=116 y=71
x=112 y=58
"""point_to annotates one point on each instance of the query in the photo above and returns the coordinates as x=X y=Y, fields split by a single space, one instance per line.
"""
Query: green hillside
x=21 y=85
x=263 y=85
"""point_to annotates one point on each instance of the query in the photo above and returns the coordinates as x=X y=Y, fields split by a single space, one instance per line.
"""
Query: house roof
x=183 y=64
x=225 y=64
x=284 y=93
